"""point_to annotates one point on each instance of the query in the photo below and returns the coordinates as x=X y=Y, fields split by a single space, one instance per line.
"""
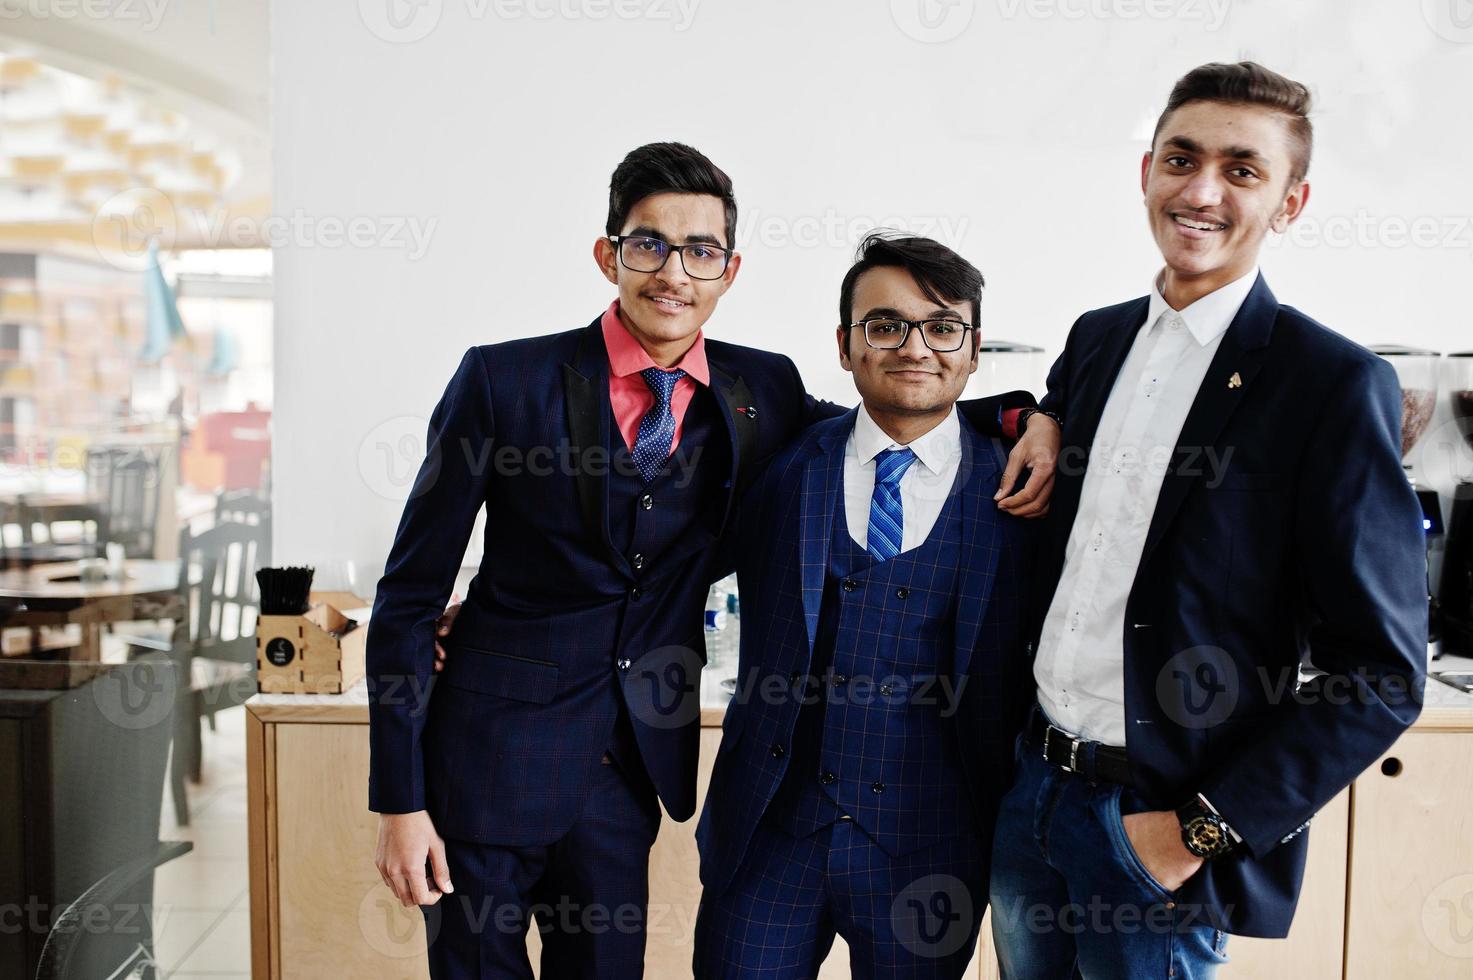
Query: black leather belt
x=1095 y=761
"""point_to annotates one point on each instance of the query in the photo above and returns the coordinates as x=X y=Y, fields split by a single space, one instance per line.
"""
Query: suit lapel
x=586 y=390
x=1237 y=362
x=823 y=476
x=735 y=402
x=976 y=482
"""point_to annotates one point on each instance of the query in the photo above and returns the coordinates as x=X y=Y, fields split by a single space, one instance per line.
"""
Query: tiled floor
x=203 y=911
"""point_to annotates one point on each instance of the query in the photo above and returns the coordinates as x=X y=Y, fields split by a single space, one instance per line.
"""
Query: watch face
x=1206 y=836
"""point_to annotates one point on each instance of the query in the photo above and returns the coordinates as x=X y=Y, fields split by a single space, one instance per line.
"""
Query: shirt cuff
x=1208 y=804
x=1009 y=423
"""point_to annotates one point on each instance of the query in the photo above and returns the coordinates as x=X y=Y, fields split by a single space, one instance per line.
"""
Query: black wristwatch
x=1203 y=832
x=1028 y=413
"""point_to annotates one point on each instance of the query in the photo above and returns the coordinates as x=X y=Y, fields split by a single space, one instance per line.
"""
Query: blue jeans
x=1070 y=897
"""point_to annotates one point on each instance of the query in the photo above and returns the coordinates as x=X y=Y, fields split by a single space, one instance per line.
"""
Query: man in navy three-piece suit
x=526 y=781
x=883 y=672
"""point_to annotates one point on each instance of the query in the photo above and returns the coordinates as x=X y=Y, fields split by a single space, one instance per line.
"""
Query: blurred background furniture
x=54 y=595
x=228 y=451
x=213 y=643
x=68 y=953
x=83 y=750
x=125 y=481
x=50 y=527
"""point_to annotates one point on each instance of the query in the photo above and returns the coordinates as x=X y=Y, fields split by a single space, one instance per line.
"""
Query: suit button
x=637 y=561
x=886 y=690
x=840 y=680
x=778 y=751
x=877 y=788
x=902 y=593
x=647 y=501
x=635 y=593
x=850 y=585
x=624 y=663
x=827 y=778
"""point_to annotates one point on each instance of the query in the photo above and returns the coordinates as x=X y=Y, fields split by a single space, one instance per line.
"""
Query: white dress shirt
x=1080 y=667
x=924 y=487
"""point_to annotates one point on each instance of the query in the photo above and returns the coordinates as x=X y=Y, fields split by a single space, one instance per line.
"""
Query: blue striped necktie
x=886 y=518
x=657 y=428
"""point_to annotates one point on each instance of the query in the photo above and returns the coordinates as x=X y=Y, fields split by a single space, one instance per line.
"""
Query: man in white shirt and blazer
x=1229 y=506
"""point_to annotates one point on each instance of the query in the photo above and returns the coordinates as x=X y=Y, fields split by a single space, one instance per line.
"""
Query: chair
x=102 y=822
x=247 y=507
x=70 y=530
x=64 y=957
x=242 y=507
x=215 y=647
x=126 y=480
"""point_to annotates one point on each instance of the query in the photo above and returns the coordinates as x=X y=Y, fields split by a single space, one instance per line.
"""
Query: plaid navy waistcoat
x=878 y=743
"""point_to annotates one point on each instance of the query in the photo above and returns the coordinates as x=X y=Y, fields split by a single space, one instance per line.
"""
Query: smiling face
x=1218 y=178
x=664 y=310
x=913 y=380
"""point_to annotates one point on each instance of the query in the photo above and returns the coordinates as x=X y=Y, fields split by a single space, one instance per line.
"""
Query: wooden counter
x=1389 y=886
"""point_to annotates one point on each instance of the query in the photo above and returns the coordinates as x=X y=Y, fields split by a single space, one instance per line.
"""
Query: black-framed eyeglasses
x=700 y=260
x=891 y=333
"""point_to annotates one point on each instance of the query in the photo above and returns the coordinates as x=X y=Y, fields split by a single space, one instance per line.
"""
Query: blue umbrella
x=226 y=354
x=162 y=324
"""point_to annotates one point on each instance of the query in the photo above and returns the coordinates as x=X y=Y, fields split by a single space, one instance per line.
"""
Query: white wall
x=1017 y=141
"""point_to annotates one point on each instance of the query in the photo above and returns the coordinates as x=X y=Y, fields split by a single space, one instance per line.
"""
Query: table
x=55 y=596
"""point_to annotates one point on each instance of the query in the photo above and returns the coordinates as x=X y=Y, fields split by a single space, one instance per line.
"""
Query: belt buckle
x=1072 y=765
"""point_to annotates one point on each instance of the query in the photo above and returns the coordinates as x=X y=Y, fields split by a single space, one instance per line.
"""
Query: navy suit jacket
x=499 y=748
x=784 y=532
x=1285 y=533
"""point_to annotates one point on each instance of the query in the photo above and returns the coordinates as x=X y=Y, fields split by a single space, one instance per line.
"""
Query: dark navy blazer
x=499 y=748
x=1285 y=533
x=784 y=534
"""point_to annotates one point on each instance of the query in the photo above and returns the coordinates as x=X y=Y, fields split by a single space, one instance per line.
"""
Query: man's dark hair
x=943 y=276
x=1249 y=83
x=660 y=168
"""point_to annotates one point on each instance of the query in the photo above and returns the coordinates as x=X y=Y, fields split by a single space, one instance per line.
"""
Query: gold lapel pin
x=1236 y=381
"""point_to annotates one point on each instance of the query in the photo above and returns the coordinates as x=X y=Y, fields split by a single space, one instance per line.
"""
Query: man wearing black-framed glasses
x=698 y=259
x=883 y=672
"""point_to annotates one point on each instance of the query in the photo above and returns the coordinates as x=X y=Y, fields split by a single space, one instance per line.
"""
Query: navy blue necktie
x=657 y=428
x=886 y=518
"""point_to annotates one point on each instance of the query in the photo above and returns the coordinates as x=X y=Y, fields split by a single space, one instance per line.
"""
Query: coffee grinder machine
x=1416 y=370
x=1455 y=596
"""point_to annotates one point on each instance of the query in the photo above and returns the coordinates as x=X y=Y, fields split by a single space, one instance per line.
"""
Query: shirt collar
x=1209 y=317
x=933 y=450
x=627 y=357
